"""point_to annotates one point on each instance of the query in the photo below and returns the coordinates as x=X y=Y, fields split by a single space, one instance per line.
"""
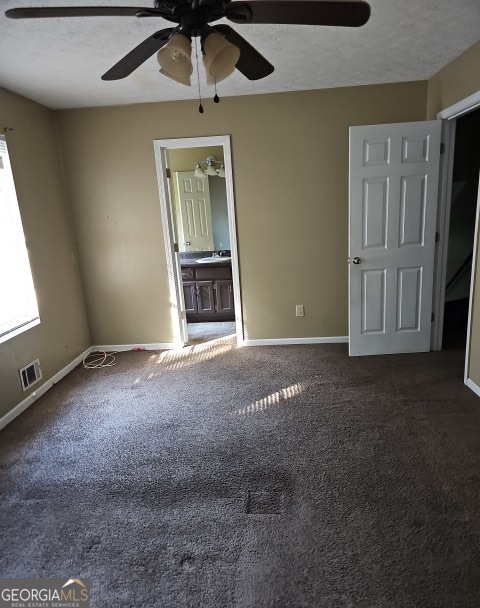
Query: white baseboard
x=27 y=402
x=120 y=348
x=472 y=386
x=287 y=341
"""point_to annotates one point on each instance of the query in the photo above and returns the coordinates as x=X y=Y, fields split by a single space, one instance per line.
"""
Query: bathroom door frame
x=165 y=186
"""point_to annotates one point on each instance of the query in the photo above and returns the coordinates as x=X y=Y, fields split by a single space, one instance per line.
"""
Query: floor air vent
x=30 y=374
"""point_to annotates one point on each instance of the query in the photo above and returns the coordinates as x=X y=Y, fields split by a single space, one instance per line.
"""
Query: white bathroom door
x=393 y=190
x=196 y=230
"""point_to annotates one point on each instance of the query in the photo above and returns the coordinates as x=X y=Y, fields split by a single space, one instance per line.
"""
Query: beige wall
x=455 y=82
x=290 y=165
x=62 y=334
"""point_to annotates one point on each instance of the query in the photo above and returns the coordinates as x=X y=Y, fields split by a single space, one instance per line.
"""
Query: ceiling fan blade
x=351 y=13
x=251 y=64
x=139 y=54
x=73 y=11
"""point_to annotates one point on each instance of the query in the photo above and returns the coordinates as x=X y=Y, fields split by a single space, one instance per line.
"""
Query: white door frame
x=161 y=146
x=443 y=225
x=449 y=116
x=466 y=376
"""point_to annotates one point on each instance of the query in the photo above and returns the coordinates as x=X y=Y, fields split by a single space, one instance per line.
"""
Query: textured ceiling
x=59 y=62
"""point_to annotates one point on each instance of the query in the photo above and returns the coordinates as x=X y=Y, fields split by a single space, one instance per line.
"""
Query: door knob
x=356 y=260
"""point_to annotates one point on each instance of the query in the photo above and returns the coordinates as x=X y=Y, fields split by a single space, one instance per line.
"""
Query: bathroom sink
x=212 y=260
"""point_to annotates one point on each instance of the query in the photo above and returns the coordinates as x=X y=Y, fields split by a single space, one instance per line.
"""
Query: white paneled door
x=393 y=203
x=195 y=229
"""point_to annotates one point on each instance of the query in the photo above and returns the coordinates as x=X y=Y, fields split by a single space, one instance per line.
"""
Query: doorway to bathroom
x=198 y=213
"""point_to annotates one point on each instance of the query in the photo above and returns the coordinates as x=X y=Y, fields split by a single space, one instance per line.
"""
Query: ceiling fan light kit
x=223 y=49
x=175 y=59
x=214 y=80
x=220 y=56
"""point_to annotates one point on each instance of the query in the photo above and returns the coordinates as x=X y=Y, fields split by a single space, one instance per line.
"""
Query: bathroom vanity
x=208 y=290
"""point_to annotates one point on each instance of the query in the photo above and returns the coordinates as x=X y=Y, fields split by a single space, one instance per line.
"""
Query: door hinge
x=168 y=173
x=433 y=317
x=437 y=237
x=175 y=247
x=442 y=148
x=184 y=314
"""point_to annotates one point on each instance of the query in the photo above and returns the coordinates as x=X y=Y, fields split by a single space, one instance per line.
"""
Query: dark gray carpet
x=264 y=477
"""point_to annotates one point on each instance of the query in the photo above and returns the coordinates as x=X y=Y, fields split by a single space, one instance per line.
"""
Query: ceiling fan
x=223 y=49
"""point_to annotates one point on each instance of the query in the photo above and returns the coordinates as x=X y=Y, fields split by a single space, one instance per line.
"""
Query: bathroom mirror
x=200 y=204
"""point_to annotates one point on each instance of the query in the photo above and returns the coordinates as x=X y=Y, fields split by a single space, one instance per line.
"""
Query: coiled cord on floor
x=99 y=359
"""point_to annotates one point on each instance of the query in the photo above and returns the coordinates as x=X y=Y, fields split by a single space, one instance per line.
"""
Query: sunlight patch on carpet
x=271 y=400
x=187 y=356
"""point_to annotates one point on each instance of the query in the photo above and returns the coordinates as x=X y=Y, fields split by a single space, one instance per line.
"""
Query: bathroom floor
x=204 y=332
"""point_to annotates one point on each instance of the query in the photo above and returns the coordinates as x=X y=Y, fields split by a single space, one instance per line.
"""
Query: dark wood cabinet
x=208 y=293
x=205 y=297
x=224 y=296
x=190 y=296
x=188 y=273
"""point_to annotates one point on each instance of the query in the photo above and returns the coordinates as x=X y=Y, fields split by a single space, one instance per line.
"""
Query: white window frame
x=28 y=316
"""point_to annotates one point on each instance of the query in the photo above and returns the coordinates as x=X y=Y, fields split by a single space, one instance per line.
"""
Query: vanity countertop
x=193 y=262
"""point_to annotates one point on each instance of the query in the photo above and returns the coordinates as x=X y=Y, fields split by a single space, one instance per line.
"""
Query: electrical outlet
x=299 y=310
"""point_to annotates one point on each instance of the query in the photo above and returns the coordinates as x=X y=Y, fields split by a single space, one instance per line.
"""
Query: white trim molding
x=292 y=341
x=443 y=226
x=36 y=394
x=472 y=386
x=472 y=291
x=462 y=107
x=120 y=348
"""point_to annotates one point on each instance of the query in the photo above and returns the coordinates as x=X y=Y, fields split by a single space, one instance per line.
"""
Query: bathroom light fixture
x=211 y=169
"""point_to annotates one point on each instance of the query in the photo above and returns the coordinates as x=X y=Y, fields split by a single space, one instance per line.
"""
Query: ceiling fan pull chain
x=200 y=107
x=216 y=99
